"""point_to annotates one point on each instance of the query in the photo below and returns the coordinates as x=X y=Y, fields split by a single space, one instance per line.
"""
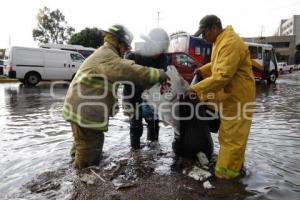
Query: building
x=285 y=39
x=2 y=52
x=289 y=26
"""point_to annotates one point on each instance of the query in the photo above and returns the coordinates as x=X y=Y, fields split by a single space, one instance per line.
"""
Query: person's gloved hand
x=197 y=71
x=163 y=76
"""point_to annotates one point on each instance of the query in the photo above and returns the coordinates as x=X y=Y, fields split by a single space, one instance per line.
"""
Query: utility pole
x=9 y=40
x=158 y=18
x=262 y=29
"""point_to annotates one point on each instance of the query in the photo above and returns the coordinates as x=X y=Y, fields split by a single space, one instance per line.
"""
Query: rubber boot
x=135 y=141
x=135 y=135
x=136 y=130
x=152 y=130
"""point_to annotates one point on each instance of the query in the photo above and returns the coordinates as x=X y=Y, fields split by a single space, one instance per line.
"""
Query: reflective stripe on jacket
x=91 y=97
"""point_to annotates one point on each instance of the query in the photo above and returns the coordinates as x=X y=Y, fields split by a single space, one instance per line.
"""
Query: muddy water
x=35 y=143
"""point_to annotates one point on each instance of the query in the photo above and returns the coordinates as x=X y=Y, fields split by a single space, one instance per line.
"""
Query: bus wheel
x=272 y=77
x=291 y=70
x=32 y=78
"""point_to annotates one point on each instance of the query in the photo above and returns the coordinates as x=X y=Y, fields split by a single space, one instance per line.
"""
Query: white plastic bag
x=163 y=98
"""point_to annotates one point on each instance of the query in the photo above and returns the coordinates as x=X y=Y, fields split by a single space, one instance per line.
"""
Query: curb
x=8 y=80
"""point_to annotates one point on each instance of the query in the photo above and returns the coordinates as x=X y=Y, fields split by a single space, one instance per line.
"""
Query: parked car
x=31 y=65
x=297 y=67
x=185 y=64
x=283 y=67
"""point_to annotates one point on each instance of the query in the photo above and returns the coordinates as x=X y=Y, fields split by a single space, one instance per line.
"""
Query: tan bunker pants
x=88 y=145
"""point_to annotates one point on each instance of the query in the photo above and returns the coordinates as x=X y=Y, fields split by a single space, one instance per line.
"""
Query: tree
x=88 y=37
x=51 y=27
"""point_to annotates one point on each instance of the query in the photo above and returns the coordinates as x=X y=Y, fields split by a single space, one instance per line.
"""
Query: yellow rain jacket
x=91 y=97
x=230 y=83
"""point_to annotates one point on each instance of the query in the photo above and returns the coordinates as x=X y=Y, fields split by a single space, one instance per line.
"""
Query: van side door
x=25 y=60
x=75 y=60
x=56 y=65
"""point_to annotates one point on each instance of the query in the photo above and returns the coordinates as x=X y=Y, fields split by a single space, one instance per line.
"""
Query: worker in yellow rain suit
x=91 y=97
x=228 y=82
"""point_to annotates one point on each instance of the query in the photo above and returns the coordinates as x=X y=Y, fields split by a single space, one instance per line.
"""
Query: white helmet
x=156 y=42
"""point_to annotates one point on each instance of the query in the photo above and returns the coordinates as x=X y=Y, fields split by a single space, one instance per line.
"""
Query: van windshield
x=85 y=53
x=77 y=58
x=178 y=43
x=6 y=55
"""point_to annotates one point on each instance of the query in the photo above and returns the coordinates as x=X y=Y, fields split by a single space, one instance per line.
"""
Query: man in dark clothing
x=152 y=54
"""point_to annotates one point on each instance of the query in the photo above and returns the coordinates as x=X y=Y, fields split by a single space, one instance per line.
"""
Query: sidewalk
x=4 y=79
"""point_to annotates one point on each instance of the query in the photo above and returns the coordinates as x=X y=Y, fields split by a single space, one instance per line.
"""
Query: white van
x=31 y=65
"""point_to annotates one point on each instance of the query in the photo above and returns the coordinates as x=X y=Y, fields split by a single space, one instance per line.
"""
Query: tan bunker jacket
x=92 y=95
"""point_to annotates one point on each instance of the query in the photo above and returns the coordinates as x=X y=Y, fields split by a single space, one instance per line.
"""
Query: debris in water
x=102 y=179
x=202 y=159
x=208 y=185
x=187 y=187
x=45 y=182
x=88 y=179
x=119 y=184
x=199 y=174
x=110 y=166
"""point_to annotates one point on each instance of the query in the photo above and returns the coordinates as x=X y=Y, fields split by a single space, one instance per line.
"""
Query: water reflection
x=273 y=149
x=33 y=139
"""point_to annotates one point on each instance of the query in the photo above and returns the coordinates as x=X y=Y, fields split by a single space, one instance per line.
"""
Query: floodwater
x=35 y=142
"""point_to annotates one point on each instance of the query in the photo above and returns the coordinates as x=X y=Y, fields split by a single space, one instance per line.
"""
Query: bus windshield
x=178 y=43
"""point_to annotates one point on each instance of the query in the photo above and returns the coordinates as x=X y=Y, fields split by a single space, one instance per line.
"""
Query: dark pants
x=88 y=144
x=136 y=129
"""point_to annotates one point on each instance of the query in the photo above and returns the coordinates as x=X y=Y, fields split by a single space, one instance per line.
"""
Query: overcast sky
x=18 y=17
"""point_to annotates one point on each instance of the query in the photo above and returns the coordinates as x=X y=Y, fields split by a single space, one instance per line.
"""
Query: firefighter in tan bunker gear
x=229 y=77
x=91 y=97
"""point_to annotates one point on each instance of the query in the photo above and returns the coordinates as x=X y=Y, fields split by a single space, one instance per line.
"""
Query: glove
x=197 y=72
x=163 y=76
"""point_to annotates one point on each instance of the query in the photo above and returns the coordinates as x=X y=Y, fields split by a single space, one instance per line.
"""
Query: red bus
x=264 y=64
x=196 y=47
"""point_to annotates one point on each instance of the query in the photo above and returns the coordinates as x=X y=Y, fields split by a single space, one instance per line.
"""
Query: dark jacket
x=159 y=62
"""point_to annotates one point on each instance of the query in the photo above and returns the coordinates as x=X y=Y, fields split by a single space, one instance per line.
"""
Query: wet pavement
x=35 y=143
